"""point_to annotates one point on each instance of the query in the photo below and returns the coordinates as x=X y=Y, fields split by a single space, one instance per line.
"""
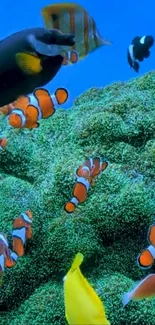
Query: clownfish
x=22 y=231
x=7 y=109
x=94 y=165
x=3 y=143
x=70 y=57
x=38 y=105
x=146 y=258
x=82 y=304
x=79 y=194
x=86 y=173
x=4 y=252
x=139 y=50
x=145 y=289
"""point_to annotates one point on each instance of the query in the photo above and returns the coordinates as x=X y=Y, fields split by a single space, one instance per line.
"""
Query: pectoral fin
x=28 y=63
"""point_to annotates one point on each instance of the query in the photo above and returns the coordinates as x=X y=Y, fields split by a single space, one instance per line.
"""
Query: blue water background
x=119 y=21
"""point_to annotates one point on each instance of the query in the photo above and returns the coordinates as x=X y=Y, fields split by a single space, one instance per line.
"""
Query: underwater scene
x=77 y=163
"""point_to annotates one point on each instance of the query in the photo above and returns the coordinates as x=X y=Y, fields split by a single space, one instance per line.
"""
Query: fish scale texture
x=37 y=172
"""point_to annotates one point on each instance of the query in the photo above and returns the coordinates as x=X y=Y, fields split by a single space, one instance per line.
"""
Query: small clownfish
x=145 y=289
x=3 y=143
x=86 y=173
x=146 y=258
x=4 y=252
x=39 y=105
x=82 y=304
x=79 y=194
x=139 y=50
x=21 y=232
x=94 y=165
x=70 y=57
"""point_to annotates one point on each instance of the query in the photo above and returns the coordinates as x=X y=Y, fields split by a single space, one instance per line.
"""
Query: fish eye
x=55 y=17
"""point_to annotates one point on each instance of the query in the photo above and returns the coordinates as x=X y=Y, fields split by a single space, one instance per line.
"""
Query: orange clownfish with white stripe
x=91 y=168
x=22 y=231
x=3 y=143
x=146 y=258
x=86 y=173
x=70 y=57
x=4 y=252
x=38 y=105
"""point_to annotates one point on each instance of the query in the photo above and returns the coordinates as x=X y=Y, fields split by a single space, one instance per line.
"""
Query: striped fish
x=72 y=18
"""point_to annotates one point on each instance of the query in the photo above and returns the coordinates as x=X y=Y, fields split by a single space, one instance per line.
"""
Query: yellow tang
x=82 y=304
x=72 y=18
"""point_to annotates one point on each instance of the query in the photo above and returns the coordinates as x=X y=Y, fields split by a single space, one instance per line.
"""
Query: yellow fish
x=82 y=304
x=72 y=18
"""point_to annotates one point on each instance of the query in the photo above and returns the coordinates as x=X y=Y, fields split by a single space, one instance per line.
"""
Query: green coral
x=37 y=172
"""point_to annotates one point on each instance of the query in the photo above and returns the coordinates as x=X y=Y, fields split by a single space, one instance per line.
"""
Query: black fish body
x=139 y=50
x=13 y=81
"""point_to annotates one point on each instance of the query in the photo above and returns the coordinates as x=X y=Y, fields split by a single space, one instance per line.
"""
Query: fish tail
x=3 y=142
x=6 y=109
x=60 y=96
x=126 y=298
x=78 y=259
x=71 y=205
x=11 y=260
x=73 y=56
x=102 y=41
x=66 y=59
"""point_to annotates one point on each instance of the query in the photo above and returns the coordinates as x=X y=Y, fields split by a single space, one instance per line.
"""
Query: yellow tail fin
x=76 y=262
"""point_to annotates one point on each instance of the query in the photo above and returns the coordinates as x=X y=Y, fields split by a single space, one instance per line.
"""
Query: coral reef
x=37 y=172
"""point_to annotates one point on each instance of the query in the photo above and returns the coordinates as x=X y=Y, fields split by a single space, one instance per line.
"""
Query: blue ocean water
x=117 y=21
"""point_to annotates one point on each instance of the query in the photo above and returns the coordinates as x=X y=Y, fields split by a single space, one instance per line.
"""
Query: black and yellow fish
x=30 y=58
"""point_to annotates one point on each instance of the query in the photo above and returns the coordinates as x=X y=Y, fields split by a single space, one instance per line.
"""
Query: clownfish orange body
x=86 y=173
x=94 y=165
x=146 y=258
x=38 y=105
x=3 y=143
x=70 y=57
x=21 y=232
x=144 y=289
x=79 y=194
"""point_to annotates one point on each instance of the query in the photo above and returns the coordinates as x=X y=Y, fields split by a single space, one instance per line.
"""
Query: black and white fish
x=139 y=50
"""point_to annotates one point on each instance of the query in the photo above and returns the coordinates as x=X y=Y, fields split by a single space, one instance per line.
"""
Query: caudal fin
x=126 y=299
x=61 y=95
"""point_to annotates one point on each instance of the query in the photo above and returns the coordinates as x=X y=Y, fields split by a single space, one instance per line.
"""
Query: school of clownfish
x=82 y=304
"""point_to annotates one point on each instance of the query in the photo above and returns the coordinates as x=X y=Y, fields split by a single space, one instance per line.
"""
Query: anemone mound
x=37 y=172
